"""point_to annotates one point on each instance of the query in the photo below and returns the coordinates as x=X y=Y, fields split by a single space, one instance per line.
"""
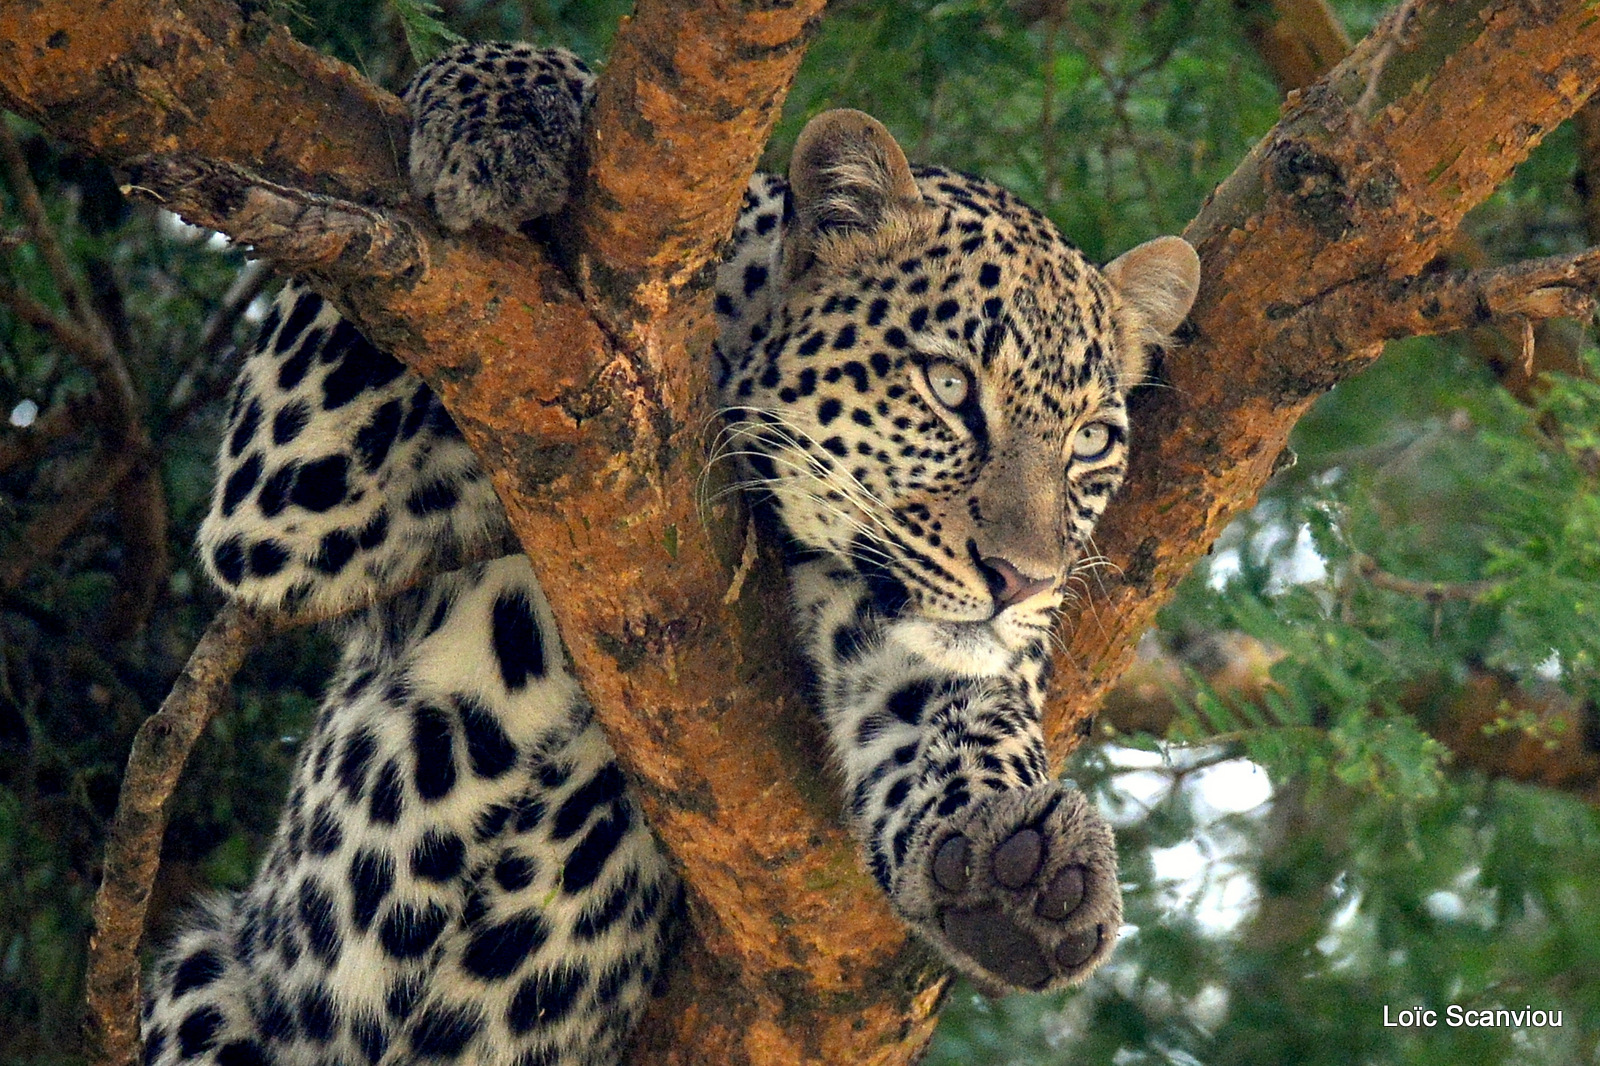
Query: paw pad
x=1022 y=892
x=1017 y=860
x=1063 y=895
x=950 y=864
x=997 y=944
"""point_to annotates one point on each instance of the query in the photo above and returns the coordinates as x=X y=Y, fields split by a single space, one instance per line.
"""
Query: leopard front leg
x=1018 y=887
x=1009 y=873
x=341 y=476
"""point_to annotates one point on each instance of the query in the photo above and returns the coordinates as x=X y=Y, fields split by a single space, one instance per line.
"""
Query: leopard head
x=938 y=394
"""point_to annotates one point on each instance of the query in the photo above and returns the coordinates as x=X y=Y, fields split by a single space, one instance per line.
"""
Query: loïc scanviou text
x=1456 y=1017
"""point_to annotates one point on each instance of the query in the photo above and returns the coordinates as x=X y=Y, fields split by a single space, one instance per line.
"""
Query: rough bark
x=585 y=402
x=138 y=76
x=589 y=408
x=156 y=762
x=1302 y=40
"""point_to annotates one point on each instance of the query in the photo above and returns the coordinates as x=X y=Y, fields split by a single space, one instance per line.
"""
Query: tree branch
x=1389 y=35
x=656 y=206
x=133 y=843
x=72 y=338
x=584 y=423
x=1370 y=311
x=43 y=234
x=1491 y=724
x=140 y=500
x=137 y=77
x=1300 y=40
x=1433 y=592
x=301 y=232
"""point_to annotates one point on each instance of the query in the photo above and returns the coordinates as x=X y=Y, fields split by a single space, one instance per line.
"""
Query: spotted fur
x=924 y=386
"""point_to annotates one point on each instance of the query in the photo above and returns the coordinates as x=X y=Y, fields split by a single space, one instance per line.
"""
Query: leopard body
x=924 y=385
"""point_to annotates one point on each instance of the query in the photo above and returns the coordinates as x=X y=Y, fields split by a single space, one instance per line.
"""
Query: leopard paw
x=495 y=132
x=1020 y=891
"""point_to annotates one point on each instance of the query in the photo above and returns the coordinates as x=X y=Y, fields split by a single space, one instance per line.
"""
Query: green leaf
x=426 y=36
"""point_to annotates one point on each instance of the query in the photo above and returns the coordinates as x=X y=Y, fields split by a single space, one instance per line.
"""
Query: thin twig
x=77 y=341
x=140 y=500
x=40 y=229
x=47 y=531
x=1434 y=592
x=1394 y=36
x=747 y=563
x=1525 y=335
x=1378 y=309
x=91 y=339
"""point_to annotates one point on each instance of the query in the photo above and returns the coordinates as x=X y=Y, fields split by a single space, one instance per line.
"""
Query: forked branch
x=1327 y=208
x=133 y=844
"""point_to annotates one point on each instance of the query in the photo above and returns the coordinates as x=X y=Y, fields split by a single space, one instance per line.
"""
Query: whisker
x=793 y=440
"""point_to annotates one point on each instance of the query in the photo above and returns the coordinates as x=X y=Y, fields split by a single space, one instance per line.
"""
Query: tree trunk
x=585 y=399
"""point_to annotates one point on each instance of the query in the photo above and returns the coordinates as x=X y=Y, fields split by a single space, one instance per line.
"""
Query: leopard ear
x=847 y=176
x=1156 y=284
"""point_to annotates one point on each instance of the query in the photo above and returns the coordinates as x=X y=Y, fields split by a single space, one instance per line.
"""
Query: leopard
x=923 y=386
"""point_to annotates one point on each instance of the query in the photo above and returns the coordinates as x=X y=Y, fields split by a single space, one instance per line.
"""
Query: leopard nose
x=1008 y=585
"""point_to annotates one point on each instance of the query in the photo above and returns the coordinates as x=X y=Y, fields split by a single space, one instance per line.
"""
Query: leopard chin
x=976 y=649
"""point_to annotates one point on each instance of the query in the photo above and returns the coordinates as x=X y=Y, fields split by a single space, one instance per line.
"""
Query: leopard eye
x=1092 y=442
x=949 y=382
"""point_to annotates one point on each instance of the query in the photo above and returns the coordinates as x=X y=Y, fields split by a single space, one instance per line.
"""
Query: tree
x=225 y=118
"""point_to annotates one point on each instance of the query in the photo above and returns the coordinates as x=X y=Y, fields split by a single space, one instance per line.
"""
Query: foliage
x=1377 y=869
x=426 y=36
x=72 y=691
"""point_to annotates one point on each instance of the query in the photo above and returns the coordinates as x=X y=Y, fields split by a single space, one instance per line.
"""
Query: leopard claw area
x=1021 y=891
